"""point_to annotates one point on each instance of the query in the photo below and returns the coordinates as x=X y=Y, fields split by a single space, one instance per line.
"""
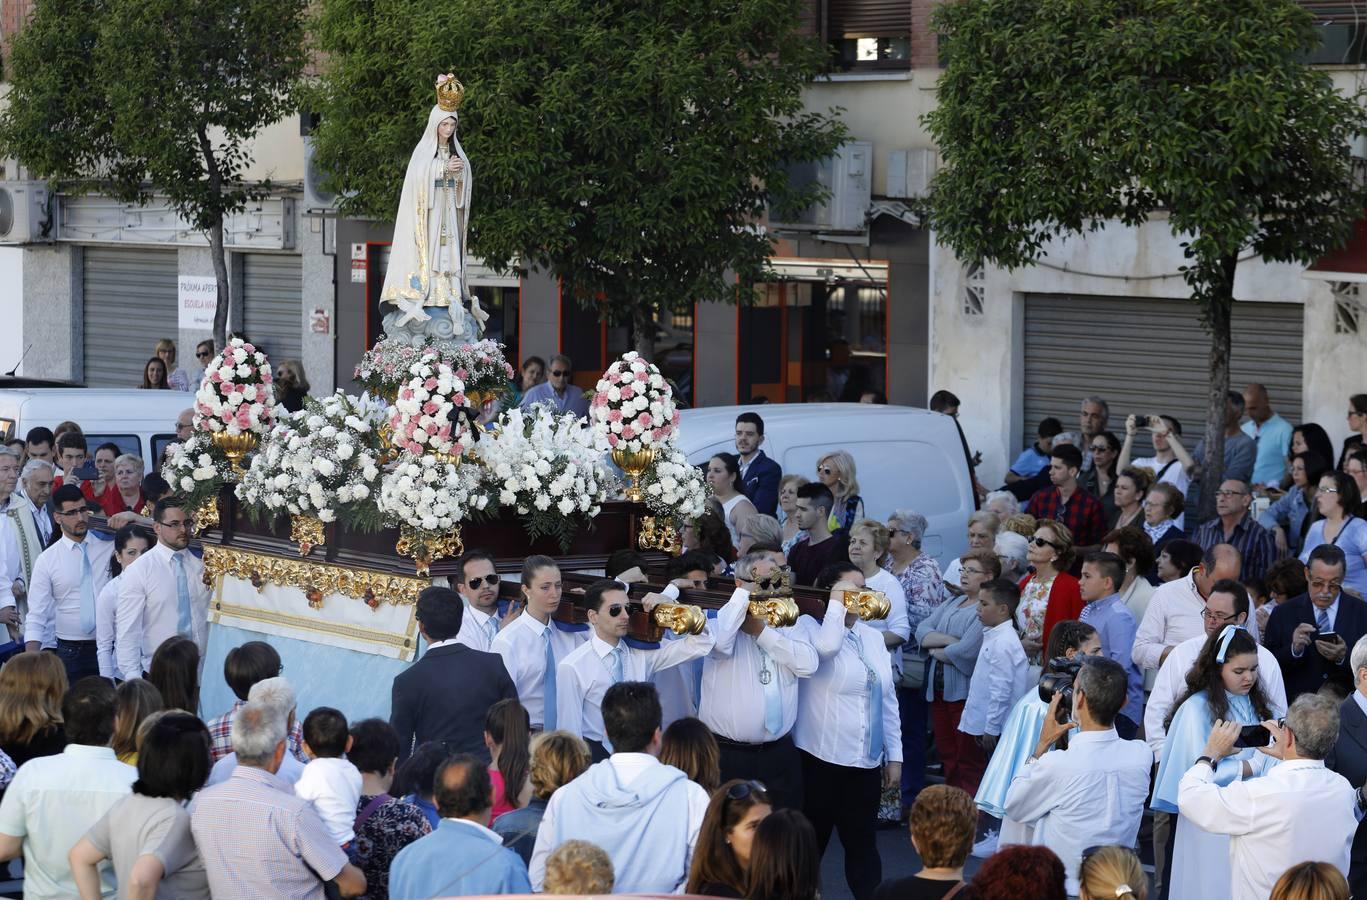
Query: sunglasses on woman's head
x=744 y=789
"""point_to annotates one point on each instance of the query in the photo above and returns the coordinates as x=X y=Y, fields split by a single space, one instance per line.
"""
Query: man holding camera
x=1094 y=792
x=1296 y=811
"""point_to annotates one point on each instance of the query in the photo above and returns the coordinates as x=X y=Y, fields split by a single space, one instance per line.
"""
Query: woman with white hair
x=1003 y=504
x=919 y=576
x=1013 y=551
x=836 y=471
x=982 y=531
x=124 y=494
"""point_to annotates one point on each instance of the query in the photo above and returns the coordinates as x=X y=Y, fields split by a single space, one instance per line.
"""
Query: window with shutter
x=1342 y=27
x=870 y=34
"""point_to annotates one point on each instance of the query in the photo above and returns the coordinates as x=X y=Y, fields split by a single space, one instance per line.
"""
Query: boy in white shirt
x=1001 y=675
x=330 y=783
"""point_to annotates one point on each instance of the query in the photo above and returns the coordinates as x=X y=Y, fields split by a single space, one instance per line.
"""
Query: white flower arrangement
x=430 y=495
x=236 y=395
x=196 y=469
x=633 y=405
x=323 y=461
x=420 y=417
x=482 y=366
x=546 y=467
x=674 y=488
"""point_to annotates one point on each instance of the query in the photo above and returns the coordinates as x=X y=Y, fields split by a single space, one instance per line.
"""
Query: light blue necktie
x=874 y=750
x=184 y=624
x=773 y=695
x=491 y=628
x=87 y=592
x=1322 y=619
x=617 y=653
x=548 y=717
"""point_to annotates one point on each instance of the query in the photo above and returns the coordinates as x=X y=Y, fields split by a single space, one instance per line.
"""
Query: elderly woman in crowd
x=760 y=529
x=124 y=493
x=1131 y=487
x=787 y=505
x=1163 y=509
x=1001 y=504
x=384 y=825
x=1013 y=552
x=982 y=533
x=1049 y=595
x=836 y=471
x=1022 y=524
x=1289 y=517
x=952 y=635
x=919 y=576
x=558 y=758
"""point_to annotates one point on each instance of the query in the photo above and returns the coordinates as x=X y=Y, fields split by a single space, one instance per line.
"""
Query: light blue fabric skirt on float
x=356 y=683
x=1019 y=736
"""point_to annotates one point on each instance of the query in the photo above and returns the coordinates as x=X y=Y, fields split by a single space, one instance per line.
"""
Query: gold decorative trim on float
x=373 y=588
x=355 y=633
x=307 y=532
x=426 y=546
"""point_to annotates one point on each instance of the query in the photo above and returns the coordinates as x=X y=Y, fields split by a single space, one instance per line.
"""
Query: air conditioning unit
x=316 y=199
x=847 y=177
x=25 y=216
x=910 y=172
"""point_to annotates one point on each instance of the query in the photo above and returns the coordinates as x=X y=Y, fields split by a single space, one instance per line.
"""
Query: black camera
x=1142 y=421
x=1058 y=679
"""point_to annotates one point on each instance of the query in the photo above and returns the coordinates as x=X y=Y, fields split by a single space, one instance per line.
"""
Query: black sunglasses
x=560 y=372
x=743 y=789
x=203 y=354
x=477 y=581
x=615 y=610
x=1041 y=542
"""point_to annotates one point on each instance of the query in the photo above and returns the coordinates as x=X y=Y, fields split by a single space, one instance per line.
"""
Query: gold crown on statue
x=450 y=92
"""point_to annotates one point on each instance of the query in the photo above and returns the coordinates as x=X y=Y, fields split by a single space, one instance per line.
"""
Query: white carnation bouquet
x=323 y=461
x=547 y=468
x=428 y=494
x=633 y=406
x=196 y=470
x=237 y=393
x=674 y=488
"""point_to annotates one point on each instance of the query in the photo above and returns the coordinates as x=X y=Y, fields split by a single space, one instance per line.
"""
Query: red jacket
x=1065 y=602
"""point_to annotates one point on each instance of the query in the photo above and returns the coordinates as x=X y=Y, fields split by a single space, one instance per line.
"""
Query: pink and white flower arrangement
x=482 y=367
x=419 y=420
x=633 y=407
x=236 y=394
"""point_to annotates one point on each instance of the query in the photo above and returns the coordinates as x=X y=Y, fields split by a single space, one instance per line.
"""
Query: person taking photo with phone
x=1311 y=634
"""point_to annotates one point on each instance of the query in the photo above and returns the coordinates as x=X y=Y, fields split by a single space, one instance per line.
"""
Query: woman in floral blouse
x=384 y=824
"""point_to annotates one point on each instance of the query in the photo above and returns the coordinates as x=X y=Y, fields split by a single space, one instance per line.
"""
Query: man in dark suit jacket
x=759 y=474
x=1349 y=759
x=445 y=695
x=1307 y=662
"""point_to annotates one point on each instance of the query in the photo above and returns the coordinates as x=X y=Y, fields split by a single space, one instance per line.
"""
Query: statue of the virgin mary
x=427 y=265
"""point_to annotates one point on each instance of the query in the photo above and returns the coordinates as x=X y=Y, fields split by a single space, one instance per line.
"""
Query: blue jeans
x=79 y=658
x=913 y=707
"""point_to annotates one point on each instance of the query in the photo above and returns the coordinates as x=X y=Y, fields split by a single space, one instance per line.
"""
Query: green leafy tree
x=139 y=97
x=1056 y=116
x=630 y=149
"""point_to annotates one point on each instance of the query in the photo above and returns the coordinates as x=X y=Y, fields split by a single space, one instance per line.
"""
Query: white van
x=905 y=458
x=138 y=421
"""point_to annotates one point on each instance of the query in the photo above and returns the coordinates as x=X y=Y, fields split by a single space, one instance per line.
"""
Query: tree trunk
x=1219 y=311
x=221 y=276
x=643 y=331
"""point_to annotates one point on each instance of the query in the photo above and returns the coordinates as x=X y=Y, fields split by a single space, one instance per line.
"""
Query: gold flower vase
x=634 y=463
x=235 y=447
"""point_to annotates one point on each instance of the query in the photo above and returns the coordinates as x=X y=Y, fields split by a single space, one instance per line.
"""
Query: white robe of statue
x=427 y=259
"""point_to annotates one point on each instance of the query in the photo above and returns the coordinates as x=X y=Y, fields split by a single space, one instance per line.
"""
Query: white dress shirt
x=148 y=612
x=629 y=767
x=1093 y=793
x=524 y=655
x=1001 y=677
x=584 y=676
x=1298 y=810
x=477 y=629
x=897 y=622
x=54 y=594
x=1171 y=683
x=106 y=602
x=832 y=713
x=1173 y=616
x=733 y=688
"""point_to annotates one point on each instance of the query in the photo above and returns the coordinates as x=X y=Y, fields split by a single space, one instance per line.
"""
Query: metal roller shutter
x=272 y=303
x=1150 y=356
x=129 y=304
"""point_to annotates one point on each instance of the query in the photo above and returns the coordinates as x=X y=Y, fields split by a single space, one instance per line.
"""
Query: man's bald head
x=1256 y=403
x=464 y=790
x=1219 y=562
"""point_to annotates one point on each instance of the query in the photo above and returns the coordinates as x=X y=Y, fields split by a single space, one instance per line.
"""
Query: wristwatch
x=1204 y=759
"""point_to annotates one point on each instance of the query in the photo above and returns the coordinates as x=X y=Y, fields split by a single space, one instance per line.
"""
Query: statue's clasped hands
x=454 y=166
